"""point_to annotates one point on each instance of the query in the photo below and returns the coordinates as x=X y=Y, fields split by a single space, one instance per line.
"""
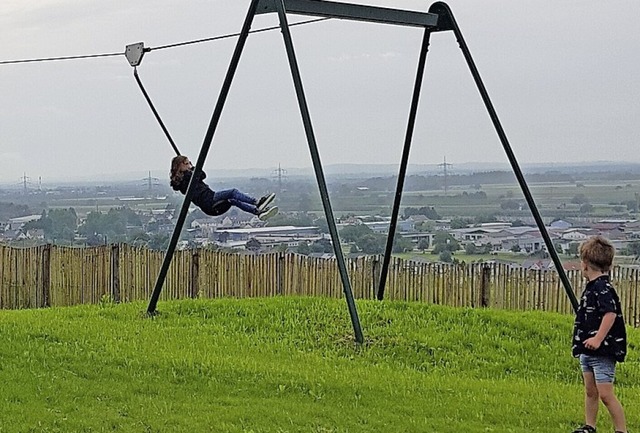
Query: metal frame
x=373 y=14
x=439 y=18
x=446 y=22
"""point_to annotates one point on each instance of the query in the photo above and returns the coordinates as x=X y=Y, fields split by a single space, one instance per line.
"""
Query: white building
x=19 y=222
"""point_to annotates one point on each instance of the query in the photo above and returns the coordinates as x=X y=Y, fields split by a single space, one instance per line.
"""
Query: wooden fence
x=50 y=275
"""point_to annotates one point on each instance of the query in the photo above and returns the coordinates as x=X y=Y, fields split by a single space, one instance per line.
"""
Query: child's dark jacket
x=202 y=195
x=599 y=297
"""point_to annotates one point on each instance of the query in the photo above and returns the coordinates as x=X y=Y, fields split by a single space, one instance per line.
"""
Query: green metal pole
x=217 y=112
x=446 y=21
x=317 y=165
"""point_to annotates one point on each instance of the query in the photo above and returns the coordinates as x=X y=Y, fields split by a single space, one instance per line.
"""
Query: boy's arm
x=594 y=342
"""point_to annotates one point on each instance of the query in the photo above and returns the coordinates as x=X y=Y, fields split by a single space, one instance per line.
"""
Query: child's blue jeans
x=238 y=199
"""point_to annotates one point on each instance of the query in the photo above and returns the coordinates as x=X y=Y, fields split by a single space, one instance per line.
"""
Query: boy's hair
x=175 y=175
x=597 y=252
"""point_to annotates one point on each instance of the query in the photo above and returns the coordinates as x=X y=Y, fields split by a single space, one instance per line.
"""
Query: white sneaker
x=268 y=213
x=265 y=201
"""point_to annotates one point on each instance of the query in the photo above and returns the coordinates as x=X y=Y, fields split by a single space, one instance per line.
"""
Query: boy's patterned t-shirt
x=599 y=297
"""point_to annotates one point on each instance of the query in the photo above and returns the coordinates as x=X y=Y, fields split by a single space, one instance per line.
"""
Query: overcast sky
x=563 y=76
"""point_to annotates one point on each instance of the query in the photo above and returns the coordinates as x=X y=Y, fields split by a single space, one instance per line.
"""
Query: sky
x=562 y=75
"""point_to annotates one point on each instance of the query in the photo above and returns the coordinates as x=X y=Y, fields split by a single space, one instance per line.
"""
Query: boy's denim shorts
x=602 y=367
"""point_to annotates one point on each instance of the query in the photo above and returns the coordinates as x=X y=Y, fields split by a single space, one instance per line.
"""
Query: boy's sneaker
x=585 y=429
x=265 y=201
x=268 y=213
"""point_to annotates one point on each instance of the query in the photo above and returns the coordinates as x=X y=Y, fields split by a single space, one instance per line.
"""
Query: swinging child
x=218 y=202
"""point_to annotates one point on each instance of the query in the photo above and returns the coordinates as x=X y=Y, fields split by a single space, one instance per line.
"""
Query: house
x=9 y=235
x=289 y=235
x=407 y=225
x=494 y=226
x=470 y=234
x=631 y=229
x=205 y=226
x=227 y=222
x=415 y=237
x=159 y=224
x=538 y=264
x=618 y=239
x=35 y=234
x=442 y=225
x=378 y=226
x=617 y=222
x=578 y=234
x=418 y=220
x=605 y=227
x=560 y=225
x=19 y=222
x=530 y=242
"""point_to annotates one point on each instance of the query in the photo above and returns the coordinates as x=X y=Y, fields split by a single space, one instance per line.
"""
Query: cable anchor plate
x=134 y=53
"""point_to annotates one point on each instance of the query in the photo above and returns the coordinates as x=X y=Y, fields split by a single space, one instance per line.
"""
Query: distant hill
x=385 y=170
x=368 y=171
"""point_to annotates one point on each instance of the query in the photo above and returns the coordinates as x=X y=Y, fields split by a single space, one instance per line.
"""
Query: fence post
x=115 y=272
x=195 y=269
x=46 y=275
x=280 y=273
x=485 y=283
x=375 y=275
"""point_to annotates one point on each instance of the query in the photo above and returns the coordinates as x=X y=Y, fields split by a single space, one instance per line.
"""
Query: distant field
x=552 y=199
x=83 y=206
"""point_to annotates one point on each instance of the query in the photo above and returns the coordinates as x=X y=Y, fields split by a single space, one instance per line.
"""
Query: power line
x=162 y=47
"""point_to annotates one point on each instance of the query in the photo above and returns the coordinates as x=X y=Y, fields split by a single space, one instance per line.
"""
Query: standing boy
x=599 y=335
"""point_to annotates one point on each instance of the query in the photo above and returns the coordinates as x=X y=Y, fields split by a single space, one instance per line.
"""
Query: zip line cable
x=50 y=59
x=233 y=35
x=162 y=47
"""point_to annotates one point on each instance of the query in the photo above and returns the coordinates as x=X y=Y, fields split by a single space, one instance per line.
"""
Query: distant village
x=241 y=231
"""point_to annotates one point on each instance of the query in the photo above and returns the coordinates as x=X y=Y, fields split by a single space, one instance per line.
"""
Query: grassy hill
x=290 y=365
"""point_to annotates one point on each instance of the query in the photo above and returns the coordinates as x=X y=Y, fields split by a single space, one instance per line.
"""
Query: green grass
x=468 y=258
x=290 y=365
x=506 y=256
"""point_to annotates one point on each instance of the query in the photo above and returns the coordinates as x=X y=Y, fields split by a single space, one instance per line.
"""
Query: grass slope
x=290 y=365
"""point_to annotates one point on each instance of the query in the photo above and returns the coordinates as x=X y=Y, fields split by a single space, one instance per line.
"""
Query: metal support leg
x=403 y=163
x=446 y=21
x=317 y=165
x=213 y=124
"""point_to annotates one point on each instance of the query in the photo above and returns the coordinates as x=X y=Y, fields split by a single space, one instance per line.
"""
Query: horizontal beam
x=354 y=12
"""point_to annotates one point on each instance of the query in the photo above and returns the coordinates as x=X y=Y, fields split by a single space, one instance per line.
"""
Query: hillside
x=290 y=365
